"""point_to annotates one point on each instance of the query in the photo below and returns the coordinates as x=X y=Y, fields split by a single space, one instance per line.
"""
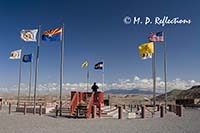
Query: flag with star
x=52 y=35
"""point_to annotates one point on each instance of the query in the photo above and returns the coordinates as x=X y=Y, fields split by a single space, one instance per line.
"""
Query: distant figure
x=94 y=87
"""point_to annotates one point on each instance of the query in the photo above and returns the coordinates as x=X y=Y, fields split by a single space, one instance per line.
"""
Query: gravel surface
x=19 y=123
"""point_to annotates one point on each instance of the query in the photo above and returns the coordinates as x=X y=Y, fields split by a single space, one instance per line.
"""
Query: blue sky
x=94 y=30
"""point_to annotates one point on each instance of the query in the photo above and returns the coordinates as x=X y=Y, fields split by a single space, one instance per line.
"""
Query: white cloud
x=136 y=82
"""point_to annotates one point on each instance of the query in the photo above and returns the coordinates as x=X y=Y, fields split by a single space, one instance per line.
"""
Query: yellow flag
x=85 y=64
x=146 y=50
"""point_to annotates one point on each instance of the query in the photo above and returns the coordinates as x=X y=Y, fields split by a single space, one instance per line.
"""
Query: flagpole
x=30 y=79
x=165 y=74
x=154 y=77
x=19 y=85
x=87 y=77
x=61 y=69
x=36 y=68
x=103 y=77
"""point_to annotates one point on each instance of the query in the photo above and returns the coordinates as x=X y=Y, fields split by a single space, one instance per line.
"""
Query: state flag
x=146 y=50
x=15 y=54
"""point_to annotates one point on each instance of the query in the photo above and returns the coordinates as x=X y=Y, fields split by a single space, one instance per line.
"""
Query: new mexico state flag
x=146 y=50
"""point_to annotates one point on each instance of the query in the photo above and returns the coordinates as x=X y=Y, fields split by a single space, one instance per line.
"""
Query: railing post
x=124 y=106
x=180 y=110
x=131 y=106
x=177 y=110
x=1 y=105
x=94 y=111
x=40 y=112
x=56 y=110
x=119 y=112
x=24 y=108
x=161 y=111
x=158 y=107
x=9 y=111
x=143 y=112
x=170 y=108
x=99 y=110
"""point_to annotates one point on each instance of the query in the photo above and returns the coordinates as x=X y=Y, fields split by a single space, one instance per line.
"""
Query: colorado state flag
x=52 y=35
x=99 y=65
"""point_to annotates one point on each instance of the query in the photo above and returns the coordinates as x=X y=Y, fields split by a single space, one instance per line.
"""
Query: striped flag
x=52 y=35
x=156 y=37
x=99 y=65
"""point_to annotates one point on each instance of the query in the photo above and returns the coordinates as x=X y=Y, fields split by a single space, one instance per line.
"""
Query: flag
x=99 y=65
x=29 y=35
x=27 y=58
x=52 y=35
x=15 y=54
x=85 y=64
x=156 y=37
x=146 y=50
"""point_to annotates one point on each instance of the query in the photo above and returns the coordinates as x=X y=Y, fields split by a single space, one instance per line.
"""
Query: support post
x=9 y=110
x=143 y=112
x=56 y=110
x=119 y=112
x=94 y=111
x=40 y=112
x=161 y=111
x=24 y=108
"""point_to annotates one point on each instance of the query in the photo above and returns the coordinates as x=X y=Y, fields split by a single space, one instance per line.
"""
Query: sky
x=95 y=30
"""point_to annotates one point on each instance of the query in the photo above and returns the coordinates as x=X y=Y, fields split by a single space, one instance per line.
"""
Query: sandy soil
x=19 y=123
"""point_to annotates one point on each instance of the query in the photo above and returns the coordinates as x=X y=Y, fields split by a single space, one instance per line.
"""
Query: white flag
x=29 y=35
x=15 y=54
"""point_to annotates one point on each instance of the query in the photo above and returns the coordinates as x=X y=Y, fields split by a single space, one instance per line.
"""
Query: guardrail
x=73 y=103
x=90 y=104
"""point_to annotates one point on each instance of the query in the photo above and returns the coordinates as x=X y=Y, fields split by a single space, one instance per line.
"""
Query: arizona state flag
x=52 y=35
x=146 y=50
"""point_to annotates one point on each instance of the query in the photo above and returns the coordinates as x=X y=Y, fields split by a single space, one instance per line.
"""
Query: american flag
x=156 y=37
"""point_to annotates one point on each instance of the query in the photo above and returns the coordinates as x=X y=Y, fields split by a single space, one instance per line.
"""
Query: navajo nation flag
x=156 y=37
x=52 y=35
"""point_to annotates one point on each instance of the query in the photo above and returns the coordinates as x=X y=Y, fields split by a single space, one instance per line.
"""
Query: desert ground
x=48 y=123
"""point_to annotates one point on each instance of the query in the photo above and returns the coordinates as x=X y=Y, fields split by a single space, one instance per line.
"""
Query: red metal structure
x=82 y=102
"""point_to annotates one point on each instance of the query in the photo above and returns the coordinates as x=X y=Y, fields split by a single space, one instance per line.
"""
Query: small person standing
x=94 y=87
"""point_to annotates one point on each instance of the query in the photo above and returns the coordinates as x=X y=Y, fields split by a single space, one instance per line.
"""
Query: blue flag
x=52 y=35
x=27 y=58
x=99 y=65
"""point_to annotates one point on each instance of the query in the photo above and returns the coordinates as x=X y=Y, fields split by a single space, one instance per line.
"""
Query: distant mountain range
x=193 y=92
x=131 y=91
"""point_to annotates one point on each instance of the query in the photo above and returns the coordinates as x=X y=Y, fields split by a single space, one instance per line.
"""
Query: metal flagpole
x=154 y=77
x=36 y=68
x=30 y=79
x=19 y=85
x=103 y=77
x=61 y=69
x=165 y=74
x=87 y=81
